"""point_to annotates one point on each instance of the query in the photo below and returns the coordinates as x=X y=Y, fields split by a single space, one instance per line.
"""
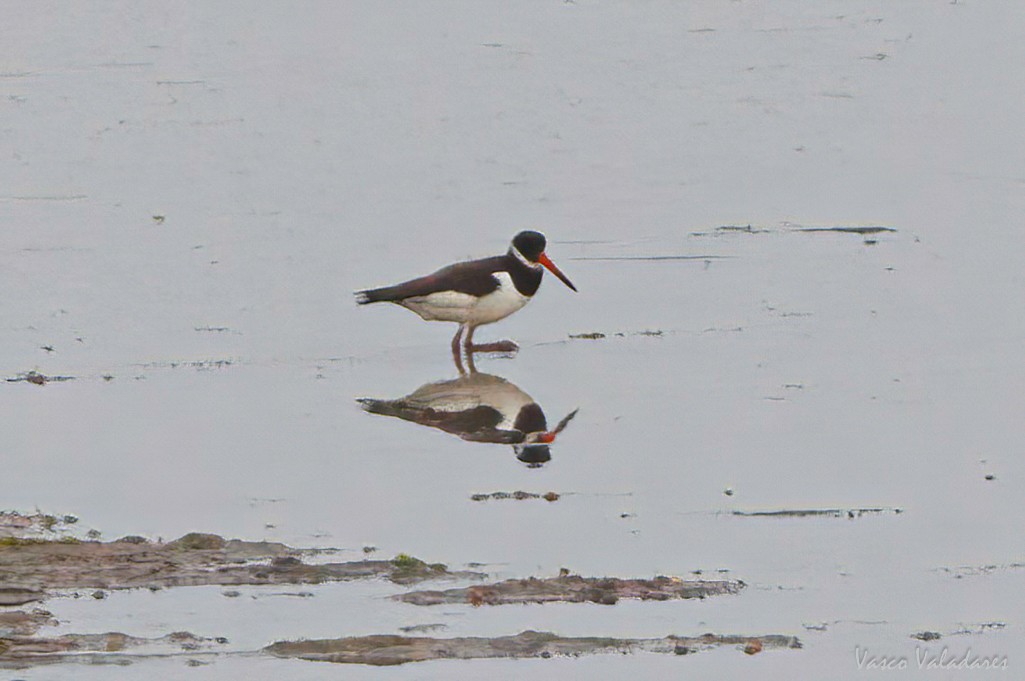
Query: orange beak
x=548 y=437
x=543 y=259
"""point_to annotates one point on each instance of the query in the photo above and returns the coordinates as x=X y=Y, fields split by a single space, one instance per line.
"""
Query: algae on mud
x=37 y=378
x=43 y=525
x=518 y=495
x=849 y=513
x=18 y=652
x=33 y=566
x=23 y=623
x=393 y=650
x=574 y=589
x=21 y=647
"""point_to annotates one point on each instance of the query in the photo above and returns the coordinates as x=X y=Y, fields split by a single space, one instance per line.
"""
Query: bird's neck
x=519 y=256
x=526 y=275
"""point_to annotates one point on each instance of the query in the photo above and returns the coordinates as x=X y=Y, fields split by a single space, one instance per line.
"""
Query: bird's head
x=530 y=247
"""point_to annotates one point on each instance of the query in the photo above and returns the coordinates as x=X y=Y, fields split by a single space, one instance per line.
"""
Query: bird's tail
x=373 y=406
x=373 y=295
x=388 y=408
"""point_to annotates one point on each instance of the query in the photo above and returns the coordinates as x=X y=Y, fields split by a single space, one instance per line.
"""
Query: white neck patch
x=519 y=256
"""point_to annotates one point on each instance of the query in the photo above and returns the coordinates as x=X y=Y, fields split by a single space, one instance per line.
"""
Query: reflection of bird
x=475 y=292
x=479 y=408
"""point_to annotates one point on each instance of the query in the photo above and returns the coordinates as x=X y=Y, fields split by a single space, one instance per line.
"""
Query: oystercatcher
x=478 y=408
x=476 y=292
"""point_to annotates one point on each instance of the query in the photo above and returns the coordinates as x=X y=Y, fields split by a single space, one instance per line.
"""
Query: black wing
x=475 y=277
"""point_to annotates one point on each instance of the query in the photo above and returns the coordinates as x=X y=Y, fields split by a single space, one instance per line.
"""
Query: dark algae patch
x=850 y=513
x=849 y=230
x=37 y=378
x=384 y=650
x=745 y=229
x=518 y=495
x=409 y=570
x=598 y=335
x=574 y=589
x=976 y=570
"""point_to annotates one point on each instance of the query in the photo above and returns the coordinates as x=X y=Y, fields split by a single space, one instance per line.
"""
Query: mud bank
x=37 y=378
x=20 y=646
x=39 y=525
x=16 y=596
x=18 y=651
x=393 y=650
x=850 y=230
x=24 y=623
x=30 y=567
x=518 y=495
x=574 y=589
x=819 y=512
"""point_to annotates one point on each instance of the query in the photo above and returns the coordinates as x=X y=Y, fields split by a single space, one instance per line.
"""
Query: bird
x=478 y=407
x=475 y=292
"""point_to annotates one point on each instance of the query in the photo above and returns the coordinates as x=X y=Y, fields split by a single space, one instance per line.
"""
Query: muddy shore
x=41 y=558
x=29 y=568
x=393 y=650
x=574 y=589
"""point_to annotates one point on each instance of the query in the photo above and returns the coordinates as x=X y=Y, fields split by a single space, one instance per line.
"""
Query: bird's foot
x=498 y=346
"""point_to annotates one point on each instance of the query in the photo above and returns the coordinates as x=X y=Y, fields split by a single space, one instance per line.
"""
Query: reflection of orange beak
x=548 y=436
x=543 y=259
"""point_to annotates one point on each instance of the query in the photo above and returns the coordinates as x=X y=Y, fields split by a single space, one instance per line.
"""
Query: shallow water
x=191 y=194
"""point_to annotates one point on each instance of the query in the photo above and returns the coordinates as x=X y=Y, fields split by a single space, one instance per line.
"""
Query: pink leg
x=497 y=346
x=458 y=359
x=455 y=341
x=500 y=346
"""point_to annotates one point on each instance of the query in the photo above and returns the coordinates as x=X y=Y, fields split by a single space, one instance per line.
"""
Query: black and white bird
x=476 y=292
x=478 y=408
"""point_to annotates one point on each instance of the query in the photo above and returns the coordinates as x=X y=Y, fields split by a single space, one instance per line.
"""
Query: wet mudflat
x=35 y=569
x=573 y=589
x=796 y=235
x=392 y=650
x=33 y=566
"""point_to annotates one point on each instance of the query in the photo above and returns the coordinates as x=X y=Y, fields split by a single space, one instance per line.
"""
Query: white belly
x=470 y=392
x=451 y=306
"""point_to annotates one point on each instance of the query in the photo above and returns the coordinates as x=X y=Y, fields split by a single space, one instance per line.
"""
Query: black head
x=533 y=455
x=530 y=245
